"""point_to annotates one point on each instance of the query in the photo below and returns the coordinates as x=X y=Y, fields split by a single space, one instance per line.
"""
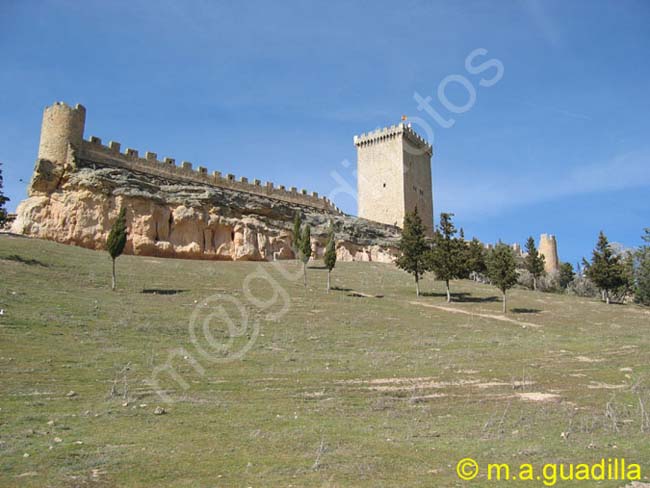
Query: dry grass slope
x=339 y=389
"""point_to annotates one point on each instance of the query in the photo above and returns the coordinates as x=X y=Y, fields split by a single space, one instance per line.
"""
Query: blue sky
x=276 y=91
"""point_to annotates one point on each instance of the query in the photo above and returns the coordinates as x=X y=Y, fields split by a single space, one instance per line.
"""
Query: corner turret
x=62 y=125
x=548 y=249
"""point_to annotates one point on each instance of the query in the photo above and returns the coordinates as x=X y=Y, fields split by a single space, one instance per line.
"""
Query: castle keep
x=394 y=175
x=79 y=186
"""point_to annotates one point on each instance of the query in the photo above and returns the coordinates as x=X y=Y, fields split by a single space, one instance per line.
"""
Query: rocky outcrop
x=77 y=203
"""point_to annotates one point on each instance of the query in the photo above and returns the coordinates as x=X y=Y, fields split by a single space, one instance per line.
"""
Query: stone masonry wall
x=394 y=175
x=78 y=187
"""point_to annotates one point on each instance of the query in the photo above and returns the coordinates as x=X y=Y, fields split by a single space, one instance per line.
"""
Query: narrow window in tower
x=384 y=185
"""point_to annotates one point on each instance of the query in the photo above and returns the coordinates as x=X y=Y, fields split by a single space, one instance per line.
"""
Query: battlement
x=63 y=128
x=94 y=151
x=404 y=130
x=394 y=175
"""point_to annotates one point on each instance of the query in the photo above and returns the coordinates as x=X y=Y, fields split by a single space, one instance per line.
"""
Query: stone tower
x=394 y=175
x=62 y=125
x=548 y=248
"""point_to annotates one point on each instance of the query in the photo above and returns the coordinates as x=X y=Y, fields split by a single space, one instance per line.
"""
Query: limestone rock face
x=77 y=204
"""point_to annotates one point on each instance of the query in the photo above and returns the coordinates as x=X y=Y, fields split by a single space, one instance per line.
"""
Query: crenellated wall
x=79 y=186
x=93 y=151
x=405 y=130
x=63 y=127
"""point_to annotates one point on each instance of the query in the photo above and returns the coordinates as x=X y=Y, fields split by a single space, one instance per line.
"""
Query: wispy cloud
x=543 y=22
x=560 y=111
x=489 y=195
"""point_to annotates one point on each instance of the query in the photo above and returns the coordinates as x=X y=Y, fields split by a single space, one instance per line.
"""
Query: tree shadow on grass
x=525 y=310
x=461 y=297
x=471 y=299
x=28 y=262
x=162 y=291
x=340 y=288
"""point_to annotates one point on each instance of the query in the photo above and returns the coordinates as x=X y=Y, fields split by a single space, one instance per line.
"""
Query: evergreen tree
x=628 y=261
x=330 y=254
x=447 y=256
x=476 y=255
x=305 y=250
x=463 y=256
x=117 y=240
x=297 y=226
x=566 y=275
x=3 y=200
x=413 y=248
x=606 y=269
x=502 y=270
x=642 y=271
x=534 y=261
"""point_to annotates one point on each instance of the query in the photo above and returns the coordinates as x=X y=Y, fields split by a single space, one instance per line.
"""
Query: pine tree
x=3 y=200
x=117 y=240
x=642 y=271
x=297 y=226
x=476 y=255
x=413 y=248
x=606 y=269
x=463 y=256
x=447 y=256
x=534 y=261
x=502 y=270
x=628 y=262
x=566 y=275
x=330 y=254
x=305 y=250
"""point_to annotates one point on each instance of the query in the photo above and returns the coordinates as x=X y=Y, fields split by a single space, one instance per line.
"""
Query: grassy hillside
x=336 y=389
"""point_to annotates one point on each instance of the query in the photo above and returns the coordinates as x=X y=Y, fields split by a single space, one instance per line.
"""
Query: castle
x=79 y=185
x=547 y=247
x=394 y=175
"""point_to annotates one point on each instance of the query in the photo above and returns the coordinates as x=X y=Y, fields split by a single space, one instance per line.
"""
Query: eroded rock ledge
x=77 y=203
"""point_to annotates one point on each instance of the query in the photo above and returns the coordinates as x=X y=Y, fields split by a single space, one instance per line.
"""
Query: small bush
x=583 y=287
x=549 y=282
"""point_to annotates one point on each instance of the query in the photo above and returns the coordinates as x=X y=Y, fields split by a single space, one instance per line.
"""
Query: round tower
x=62 y=125
x=548 y=248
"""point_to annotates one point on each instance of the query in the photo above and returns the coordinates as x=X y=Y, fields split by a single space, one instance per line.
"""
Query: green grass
x=353 y=374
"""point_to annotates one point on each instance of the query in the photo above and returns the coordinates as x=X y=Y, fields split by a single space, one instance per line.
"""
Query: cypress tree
x=3 y=200
x=117 y=240
x=501 y=266
x=534 y=261
x=447 y=256
x=413 y=248
x=606 y=269
x=642 y=271
x=305 y=250
x=330 y=254
x=297 y=226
